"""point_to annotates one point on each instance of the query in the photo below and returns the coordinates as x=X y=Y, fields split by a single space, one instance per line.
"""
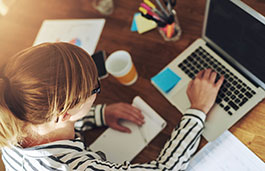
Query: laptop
x=232 y=44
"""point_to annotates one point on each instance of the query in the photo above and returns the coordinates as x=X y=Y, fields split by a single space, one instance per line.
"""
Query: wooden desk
x=150 y=53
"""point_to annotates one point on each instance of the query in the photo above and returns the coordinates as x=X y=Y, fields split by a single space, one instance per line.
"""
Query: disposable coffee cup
x=119 y=64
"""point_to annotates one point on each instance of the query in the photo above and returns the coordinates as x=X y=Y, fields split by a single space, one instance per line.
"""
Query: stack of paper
x=226 y=153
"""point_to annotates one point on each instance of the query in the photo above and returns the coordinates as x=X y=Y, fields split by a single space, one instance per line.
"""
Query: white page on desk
x=119 y=147
x=85 y=31
x=152 y=119
x=226 y=153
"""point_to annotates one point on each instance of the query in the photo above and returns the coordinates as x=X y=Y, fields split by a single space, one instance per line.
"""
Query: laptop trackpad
x=181 y=100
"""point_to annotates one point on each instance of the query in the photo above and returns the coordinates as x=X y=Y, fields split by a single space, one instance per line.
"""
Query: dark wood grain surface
x=149 y=51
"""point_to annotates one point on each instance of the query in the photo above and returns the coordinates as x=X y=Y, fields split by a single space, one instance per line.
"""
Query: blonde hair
x=42 y=82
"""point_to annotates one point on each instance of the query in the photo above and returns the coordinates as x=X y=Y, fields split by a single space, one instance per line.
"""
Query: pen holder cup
x=172 y=30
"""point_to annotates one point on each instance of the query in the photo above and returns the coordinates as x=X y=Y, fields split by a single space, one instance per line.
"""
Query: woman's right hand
x=202 y=91
x=118 y=111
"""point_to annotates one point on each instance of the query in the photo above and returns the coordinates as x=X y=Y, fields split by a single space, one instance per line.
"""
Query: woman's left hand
x=118 y=111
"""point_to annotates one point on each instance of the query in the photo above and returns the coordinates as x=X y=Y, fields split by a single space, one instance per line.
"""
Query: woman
x=47 y=92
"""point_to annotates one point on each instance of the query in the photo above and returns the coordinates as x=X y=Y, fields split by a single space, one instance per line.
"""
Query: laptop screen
x=239 y=34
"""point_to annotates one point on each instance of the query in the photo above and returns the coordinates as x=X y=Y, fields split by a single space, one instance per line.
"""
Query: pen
x=143 y=10
x=170 y=30
x=146 y=6
x=162 y=8
x=159 y=23
x=151 y=12
x=150 y=4
x=169 y=6
x=145 y=13
x=148 y=9
x=152 y=7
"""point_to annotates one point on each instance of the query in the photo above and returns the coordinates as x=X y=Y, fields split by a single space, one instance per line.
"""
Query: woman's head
x=42 y=82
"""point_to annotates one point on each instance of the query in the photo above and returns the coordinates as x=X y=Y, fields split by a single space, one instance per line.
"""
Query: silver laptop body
x=227 y=111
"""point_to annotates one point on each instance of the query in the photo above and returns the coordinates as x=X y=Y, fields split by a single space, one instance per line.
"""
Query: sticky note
x=143 y=24
x=134 y=26
x=166 y=80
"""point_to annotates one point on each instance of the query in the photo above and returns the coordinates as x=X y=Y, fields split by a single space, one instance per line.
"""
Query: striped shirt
x=74 y=155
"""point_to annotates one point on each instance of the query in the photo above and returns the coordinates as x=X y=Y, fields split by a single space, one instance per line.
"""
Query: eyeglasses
x=96 y=90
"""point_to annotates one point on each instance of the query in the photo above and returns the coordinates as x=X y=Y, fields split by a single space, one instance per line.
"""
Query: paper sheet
x=119 y=147
x=154 y=123
x=166 y=80
x=226 y=153
x=144 y=25
x=81 y=32
x=134 y=26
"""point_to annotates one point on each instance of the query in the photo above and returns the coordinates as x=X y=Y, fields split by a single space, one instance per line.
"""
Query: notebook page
x=119 y=147
x=224 y=154
x=152 y=119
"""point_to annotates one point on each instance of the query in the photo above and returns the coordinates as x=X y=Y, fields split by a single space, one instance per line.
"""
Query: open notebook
x=119 y=147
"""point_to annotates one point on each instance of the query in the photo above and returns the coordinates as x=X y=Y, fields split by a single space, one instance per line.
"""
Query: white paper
x=226 y=153
x=153 y=121
x=81 y=32
x=119 y=147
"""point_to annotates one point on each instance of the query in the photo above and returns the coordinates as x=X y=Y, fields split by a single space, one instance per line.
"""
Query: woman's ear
x=66 y=116
x=63 y=117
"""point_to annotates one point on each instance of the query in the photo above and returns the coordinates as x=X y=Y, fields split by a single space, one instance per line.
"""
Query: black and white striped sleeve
x=94 y=118
x=174 y=156
x=183 y=142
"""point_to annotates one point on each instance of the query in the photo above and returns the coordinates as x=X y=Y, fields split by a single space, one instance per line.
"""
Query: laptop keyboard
x=233 y=94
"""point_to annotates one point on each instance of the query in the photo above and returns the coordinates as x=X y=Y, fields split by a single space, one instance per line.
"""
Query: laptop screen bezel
x=224 y=54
